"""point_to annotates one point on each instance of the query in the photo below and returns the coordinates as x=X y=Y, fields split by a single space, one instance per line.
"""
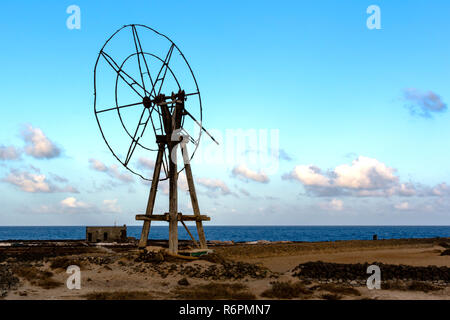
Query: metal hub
x=147 y=102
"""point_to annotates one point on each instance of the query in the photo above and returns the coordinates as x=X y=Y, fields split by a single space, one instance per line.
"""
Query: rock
x=183 y=282
x=444 y=244
x=357 y=272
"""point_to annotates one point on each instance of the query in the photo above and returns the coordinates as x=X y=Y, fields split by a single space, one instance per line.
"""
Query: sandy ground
x=124 y=274
x=422 y=256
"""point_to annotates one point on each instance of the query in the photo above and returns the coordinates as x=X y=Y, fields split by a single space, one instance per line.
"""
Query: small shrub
x=47 y=283
x=183 y=282
x=331 y=296
x=339 y=290
x=411 y=286
x=393 y=285
x=422 y=286
x=37 y=277
x=63 y=263
x=444 y=244
x=119 y=295
x=286 y=290
x=214 y=291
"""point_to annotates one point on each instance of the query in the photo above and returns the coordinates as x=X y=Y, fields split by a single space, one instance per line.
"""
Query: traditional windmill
x=149 y=89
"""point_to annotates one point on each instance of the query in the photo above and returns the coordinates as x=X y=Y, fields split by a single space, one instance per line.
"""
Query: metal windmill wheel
x=148 y=102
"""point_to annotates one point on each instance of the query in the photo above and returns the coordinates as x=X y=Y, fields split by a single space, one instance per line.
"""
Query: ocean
x=242 y=233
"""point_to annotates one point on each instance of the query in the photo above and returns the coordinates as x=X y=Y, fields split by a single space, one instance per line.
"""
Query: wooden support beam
x=169 y=127
x=153 y=217
x=166 y=217
x=193 y=194
x=194 y=217
x=174 y=122
x=190 y=234
x=173 y=201
x=151 y=198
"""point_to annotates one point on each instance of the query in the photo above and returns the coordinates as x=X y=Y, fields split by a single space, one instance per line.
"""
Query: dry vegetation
x=33 y=275
x=331 y=296
x=119 y=295
x=64 y=263
x=215 y=291
x=290 y=290
x=409 y=286
x=287 y=290
x=337 y=289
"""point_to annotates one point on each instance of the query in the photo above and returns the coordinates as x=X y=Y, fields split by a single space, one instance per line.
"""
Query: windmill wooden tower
x=149 y=87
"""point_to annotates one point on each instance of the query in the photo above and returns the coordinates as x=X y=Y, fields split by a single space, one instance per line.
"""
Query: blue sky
x=340 y=96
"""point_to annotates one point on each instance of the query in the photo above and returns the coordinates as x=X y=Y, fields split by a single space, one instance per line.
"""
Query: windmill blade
x=200 y=125
x=139 y=50
x=121 y=73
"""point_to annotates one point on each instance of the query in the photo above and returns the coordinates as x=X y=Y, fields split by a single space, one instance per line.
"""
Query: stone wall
x=357 y=273
x=106 y=234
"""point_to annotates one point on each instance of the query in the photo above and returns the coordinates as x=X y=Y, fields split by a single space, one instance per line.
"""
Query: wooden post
x=152 y=196
x=173 y=200
x=175 y=119
x=193 y=194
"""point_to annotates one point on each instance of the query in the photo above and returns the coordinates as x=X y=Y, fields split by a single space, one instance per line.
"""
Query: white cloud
x=113 y=170
x=122 y=176
x=308 y=175
x=69 y=189
x=98 y=165
x=146 y=163
x=441 y=190
x=364 y=177
x=364 y=173
x=29 y=182
x=214 y=184
x=34 y=183
x=9 y=153
x=244 y=192
x=73 y=203
x=333 y=205
x=402 y=206
x=423 y=103
x=111 y=206
x=244 y=172
x=38 y=145
x=164 y=185
x=405 y=189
